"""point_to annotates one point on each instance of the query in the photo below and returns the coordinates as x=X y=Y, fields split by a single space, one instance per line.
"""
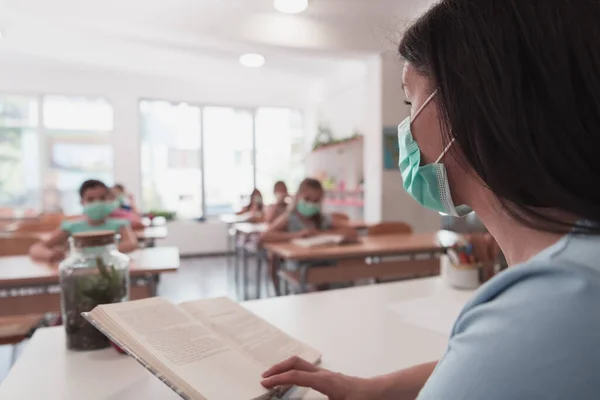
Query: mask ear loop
x=423 y=106
x=445 y=151
x=419 y=112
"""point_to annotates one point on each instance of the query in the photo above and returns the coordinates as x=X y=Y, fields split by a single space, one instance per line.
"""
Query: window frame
x=45 y=135
x=201 y=105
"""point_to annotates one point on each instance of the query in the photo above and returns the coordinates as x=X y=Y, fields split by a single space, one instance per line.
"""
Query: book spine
x=143 y=363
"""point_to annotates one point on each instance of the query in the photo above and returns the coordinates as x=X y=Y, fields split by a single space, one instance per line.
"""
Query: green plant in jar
x=94 y=273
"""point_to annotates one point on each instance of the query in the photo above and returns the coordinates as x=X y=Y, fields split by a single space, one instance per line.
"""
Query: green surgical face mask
x=427 y=184
x=308 y=209
x=99 y=210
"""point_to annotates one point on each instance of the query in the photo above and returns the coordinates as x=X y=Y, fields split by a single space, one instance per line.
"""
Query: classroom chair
x=45 y=223
x=389 y=228
x=340 y=216
x=17 y=244
x=14 y=330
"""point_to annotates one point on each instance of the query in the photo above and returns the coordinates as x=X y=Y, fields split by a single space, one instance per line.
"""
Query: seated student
x=305 y=219
x=281 y=197
x=96 y=208
x=120 y=213
x=255 y=208
x=124 y=199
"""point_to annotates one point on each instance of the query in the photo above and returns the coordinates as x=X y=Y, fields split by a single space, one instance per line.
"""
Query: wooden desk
x=260 y=227
x=31 y=287
x=361 y=260
x=230 y=219
x=250 y=228
x=353 y=328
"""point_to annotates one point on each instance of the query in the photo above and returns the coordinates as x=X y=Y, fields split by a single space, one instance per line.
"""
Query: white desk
x=353 y=328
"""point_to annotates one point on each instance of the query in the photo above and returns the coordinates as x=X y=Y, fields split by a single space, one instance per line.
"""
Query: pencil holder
x=465 y=276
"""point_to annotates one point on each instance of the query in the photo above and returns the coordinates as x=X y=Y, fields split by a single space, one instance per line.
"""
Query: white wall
x=351 y=100
x=371 y=99
x=28 y=75
x=339 y=101
x=373 y=143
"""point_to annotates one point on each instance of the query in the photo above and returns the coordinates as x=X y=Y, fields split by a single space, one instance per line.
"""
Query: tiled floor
x=197 y=278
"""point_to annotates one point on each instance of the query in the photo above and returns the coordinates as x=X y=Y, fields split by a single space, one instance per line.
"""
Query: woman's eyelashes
x=408 y=103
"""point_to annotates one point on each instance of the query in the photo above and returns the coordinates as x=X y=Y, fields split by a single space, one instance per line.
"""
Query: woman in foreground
x=505 y=120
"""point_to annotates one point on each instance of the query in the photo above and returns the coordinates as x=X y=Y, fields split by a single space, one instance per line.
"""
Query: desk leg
x=303 y=273
x=283 y=287
x=259 y=261
x=244 y=273
x=228 y=247
x=274 y=262
x=236 y=270
x=153 y=284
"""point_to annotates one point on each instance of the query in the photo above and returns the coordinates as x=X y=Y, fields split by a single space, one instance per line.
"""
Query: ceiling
x=183 y=37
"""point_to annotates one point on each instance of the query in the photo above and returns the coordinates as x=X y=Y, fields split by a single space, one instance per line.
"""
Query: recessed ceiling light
x=252 y=60
x=290 y=6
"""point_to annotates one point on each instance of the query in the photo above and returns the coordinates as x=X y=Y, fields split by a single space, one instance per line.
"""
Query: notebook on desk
x=321 y=240
x=211 y=349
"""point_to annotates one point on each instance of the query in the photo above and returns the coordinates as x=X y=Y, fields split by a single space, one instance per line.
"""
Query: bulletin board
x=390 y=147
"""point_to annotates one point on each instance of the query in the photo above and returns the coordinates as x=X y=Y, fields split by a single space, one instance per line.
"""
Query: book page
x=320 y=240
x=188 y=348
x=265 y=344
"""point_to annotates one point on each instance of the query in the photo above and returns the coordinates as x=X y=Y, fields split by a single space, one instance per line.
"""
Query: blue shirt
x=532 y=332
x=79 y=226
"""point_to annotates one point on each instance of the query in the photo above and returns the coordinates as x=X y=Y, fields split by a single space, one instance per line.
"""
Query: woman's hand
x=298 y=372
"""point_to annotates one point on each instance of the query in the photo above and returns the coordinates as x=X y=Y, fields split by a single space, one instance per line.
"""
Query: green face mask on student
x=99 y=210
x=308 y=209
x=427 y=184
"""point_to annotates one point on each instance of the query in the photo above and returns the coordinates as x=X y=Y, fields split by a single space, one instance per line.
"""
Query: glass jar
x=94 y=273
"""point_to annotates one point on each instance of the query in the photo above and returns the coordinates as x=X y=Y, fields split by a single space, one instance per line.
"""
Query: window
x=171 y=158
x=205 y=161
x=78 y=137
x=19 y=155
x=228 y=159
x=280 y=149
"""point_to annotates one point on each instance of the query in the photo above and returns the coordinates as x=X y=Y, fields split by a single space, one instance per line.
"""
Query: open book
x=320 y=240
x=211 y=349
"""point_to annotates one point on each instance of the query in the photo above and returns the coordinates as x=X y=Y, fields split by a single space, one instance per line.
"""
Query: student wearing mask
x=281 y=202
x=97 y=206
x=505 y=121
x=304 y=218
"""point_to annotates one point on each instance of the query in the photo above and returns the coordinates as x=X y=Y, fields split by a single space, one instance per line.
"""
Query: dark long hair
x=251 y=203
x=519 y=89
